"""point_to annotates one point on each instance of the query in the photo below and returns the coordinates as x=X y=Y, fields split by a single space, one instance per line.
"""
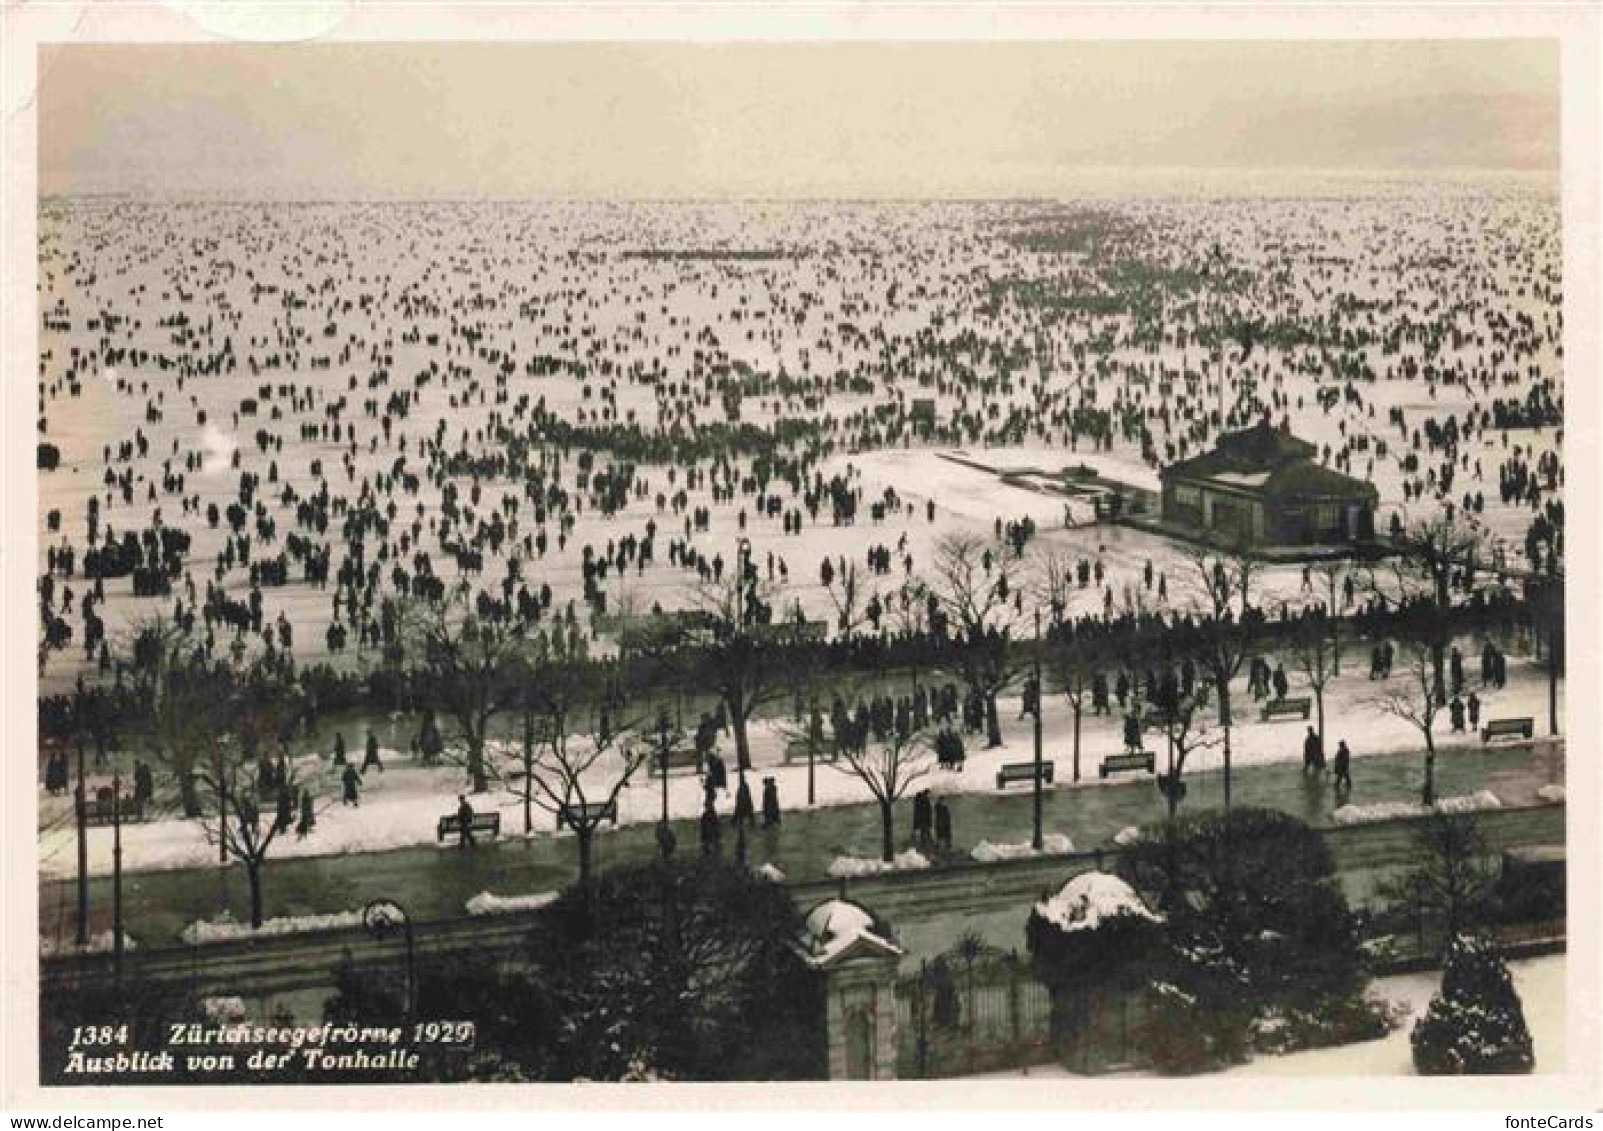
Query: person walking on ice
x=352 y=783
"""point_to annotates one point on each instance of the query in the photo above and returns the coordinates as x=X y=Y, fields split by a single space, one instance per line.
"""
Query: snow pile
x=1088 y=899
x=1553 y=793
x=225 y=928
x=223 y=1009
x=771 y=873
x=836 y=925
x=97 y=944
x=852 y=866
x=1053 y=844
x=1127 y=836
x=486 y=903
x=1399 y=810
x=308 y=766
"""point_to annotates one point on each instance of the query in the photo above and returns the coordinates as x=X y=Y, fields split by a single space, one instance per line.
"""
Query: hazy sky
x=773 y=120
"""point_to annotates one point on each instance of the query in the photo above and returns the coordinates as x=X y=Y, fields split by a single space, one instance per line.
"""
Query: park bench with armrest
x=1023 y=771
x=488 y=824
x=98 y=811
x=589 y=814
x=1507 y=728
x=1286 y=708
x=1130 y=760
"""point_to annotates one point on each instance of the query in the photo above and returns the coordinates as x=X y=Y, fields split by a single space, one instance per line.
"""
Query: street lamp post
x=382 y=916
x=1037 y=841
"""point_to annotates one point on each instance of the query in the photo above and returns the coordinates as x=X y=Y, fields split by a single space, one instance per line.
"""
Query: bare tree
x=471 y=666
x=735 y=641
x=1225 y=585
x=251 y=811
x=888 y=767
x=1184 y=734
x=976 y=586
x=549 y=670
x=1073 y=661
x=184 y=693
x=846 y=591
x=1415 y=701
x=578 y=779
x=1315 y=649
x=1431 y=552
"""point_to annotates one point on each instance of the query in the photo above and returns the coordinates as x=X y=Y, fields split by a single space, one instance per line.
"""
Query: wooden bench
x=1507 y=728
x=97 y=812
x=1286 y=708
x=1117 y=763
x=1022 y=771
x=589 y=814
x=486 y=823
x=797 y=752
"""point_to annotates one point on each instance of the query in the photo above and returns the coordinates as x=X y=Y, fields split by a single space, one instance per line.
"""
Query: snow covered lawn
x=1052 y=844
x=1395 y=810
x=486 y=903
x=1539 y=981
x=225 y=928
x=911 y=860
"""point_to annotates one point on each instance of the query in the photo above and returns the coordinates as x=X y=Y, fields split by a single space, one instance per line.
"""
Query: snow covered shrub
x=1475 y=1025
x=1256 y=934
x=1093 y=943
x=689 y=965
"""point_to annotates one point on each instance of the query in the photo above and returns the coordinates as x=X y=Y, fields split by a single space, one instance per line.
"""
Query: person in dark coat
x=339 y=748
x=1455 y=711
x=464 y=822
x=370 y=759
x=1282 y=685
x=770 y=804
x=745 y=812
x=1343 y=766
x=712 y=834
x=353 y=786
x=943 y=824
x=923 y=816
x=1473 y=706
x=717 y=774
x=1313 y=752
x=308 y=815
x=284 y=817
x=56 y=774
x=1132 y=734
x=144 y=785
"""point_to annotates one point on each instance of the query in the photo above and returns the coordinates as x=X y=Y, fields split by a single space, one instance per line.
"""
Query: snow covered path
x=399 y=807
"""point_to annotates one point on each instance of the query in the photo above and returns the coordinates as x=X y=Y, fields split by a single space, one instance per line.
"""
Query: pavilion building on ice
x=1263 y=487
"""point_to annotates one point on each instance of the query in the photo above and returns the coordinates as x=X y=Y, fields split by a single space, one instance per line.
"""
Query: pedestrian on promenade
x=464 y=823
x=370 y=760
x=1343 y=768
x=1455 y=710
x=1282 y=685
x=1473 y=704
x=339 y=748
x=353 y=786
x=770 y=803
x=943 y=825
x=922 y=816
x=745 y=812
x=1313 y=754
x=717 y=773
x=712 y=834
x=284 y=816
x=1132 y=734
x=308 y=815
